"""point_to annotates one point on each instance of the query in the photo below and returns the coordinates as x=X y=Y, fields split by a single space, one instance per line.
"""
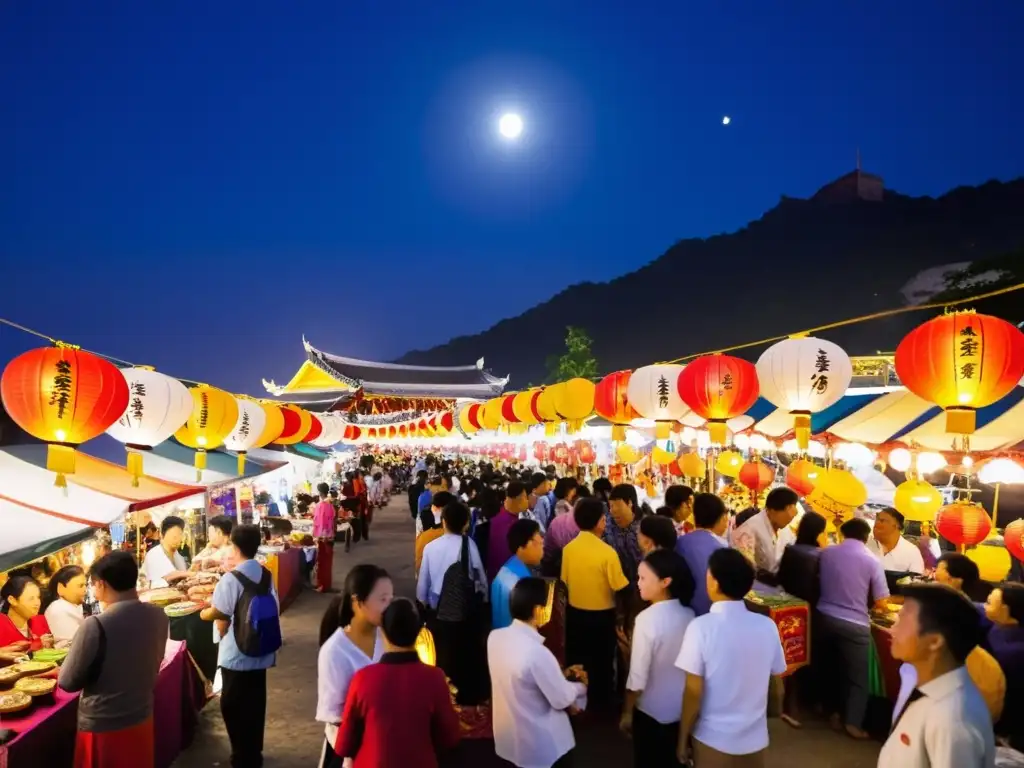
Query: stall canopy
x=173 y=461
x=37 y=518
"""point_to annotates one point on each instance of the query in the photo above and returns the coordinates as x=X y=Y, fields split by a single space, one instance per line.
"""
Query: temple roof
x=331 y=376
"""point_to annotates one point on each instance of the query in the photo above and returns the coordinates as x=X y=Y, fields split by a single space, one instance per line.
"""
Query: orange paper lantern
x=63 y=396
x=756 y=475
x=801 y=476
x=961 y=361
x=610 y=401
x=297 y=423
x=692 y=465
x=963 y=523
x=316 y=428
x=1013 y=538
x=718 y=388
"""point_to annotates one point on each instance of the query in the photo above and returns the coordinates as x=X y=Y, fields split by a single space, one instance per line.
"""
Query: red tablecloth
x=46 y=734
x=889 y=666
x=289 y=575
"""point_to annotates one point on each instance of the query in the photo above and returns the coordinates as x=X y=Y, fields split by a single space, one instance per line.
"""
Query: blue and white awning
x=886 y=414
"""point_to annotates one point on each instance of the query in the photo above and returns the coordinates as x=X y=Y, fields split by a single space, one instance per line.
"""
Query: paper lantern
x=963 y=523
x=585 y=451
x=490 y=416
x=574 y=401
x=756 y=475
x=425 y=647
x=611 y=402
x=729 y=463
x=469 y=418
x=273 y=427
x=653 y=392
x=718 y=388
x=157 y=405
x=63 y=396
x=992 y=560
x=315 y=429
x=333 y=428
x=446 y=423
x=524 y=406
x=248 y=428
x=508 y=414
x=917 y=500
x=803 y=375
x=627 y=454
x=351 y=433
x=801 y=475
x=540 y=451
x=691 y=465
x=297 y=422
x=836 y=496
x=961 y=361
x=1013 y=538
x=546 y=404
x=213 y=418
x=663 y=457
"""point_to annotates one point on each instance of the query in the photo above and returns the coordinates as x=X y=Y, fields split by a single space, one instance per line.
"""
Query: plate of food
x=31 y=668
x=14 y=701
x=56 y=655
x=10 y=675
x=35 y=686
x=162 y=596
x=184 y=608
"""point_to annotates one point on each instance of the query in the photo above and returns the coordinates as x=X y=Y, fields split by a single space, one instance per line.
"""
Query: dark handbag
x=458 y=601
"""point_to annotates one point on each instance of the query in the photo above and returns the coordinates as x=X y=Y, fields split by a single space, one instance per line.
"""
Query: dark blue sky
x=194 y=185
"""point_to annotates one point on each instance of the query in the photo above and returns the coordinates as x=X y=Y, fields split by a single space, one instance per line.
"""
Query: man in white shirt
x=440 y=554
x=896 y=553
x=531 y=699
x=758 y=537
x=943 y=722
x=731 y=656
x=163 y=563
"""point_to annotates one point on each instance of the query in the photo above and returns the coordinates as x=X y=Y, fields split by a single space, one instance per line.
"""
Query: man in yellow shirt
x=593 y=575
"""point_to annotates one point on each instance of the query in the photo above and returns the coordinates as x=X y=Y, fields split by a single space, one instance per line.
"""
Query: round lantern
x=63 y=396
x=612 y=403
x=333 y=429
x=756 y=475
x=540 y=451
x=992 y=560
x=316 y=429
x=585 y=451
x=490 y=417
x=524 y=406
x=801 y=475
x=297 y=423
x=627 y=454
x=1013 y=538
x=274 y=424
x=574 y=401
x=157 y=405
x=837 y=494
x=963 y=523
x=961 y=361
x=662 y=457
x=446 y=423
x=692 y=465
x=213 y=418
x=508 y=414
x=718 y=388
x=654 y=394
x=247 y=431
x=729 y=463
x=803 y=375
x=351 y=433
x=917 y=500
x=469 y=418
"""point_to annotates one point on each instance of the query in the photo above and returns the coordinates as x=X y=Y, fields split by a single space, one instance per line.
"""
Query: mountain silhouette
x=806 y=262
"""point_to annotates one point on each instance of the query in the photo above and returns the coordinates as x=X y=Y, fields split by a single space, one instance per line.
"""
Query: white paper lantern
x=333 y=430
x=804 y=375
x=252 y=420
x=157 y=405
x=654 y=394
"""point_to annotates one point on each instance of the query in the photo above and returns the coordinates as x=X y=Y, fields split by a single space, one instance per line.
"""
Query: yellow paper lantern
x=425 y=647
x=692 y=465
x=992 y=560
x=574 y=399
x=917 y=500
x=627 y=454
x=524 y=405
x=274 y=425
x=662 y=457
x=836 y=496
x=729 y=463
x=213 y=417
x=546 y=403
x=490 y=417
x=469 y=418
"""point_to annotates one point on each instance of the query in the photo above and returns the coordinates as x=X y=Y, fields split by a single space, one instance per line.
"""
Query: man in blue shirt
x=525 y=540
x=711 y=518
x=243 y=699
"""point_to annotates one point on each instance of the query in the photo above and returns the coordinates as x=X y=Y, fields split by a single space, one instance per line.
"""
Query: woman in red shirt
x=398 y=713
x=20 y=622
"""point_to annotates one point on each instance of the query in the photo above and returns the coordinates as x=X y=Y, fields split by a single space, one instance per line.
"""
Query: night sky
x=195 y=185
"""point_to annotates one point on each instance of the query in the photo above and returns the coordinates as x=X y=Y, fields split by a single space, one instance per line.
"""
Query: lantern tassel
x=717 y=432
x=134 y=466
x=662 y=430
x=200 y=464
x=60 y=459
x=618 y=432
x=960 y=421
x=241 y=463
x=802 y=430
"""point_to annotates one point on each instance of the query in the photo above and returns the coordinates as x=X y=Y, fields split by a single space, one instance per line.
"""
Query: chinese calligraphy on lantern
x=727 y=384
x=204 y=409
x=967 y=352
x=243 y=428
x=819 y=380
x=61 y=393
x=136 y=406
x=662 y=392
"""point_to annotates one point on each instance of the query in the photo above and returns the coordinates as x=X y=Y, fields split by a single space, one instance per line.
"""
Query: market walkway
x=293 y=739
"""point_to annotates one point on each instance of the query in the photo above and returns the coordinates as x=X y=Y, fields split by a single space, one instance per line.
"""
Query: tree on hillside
x=578 y=361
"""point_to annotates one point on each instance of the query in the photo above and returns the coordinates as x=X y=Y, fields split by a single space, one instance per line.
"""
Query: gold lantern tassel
x=551 y=429
x=618 y=432
x=802 y=428
x=717 y=432
x=241 y=463
x=60 y=459
x=662 y=430
x=200 y=464
x=134 y=466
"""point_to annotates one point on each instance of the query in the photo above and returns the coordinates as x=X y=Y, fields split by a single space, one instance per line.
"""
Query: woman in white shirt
x=64 y=612
x=350 y=639
x=163 y=563
x=654 y=688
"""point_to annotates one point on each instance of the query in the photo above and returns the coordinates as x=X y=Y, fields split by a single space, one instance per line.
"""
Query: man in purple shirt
x=516 y=502
x=711 y=518
x=1005 y=609
x=852 y=579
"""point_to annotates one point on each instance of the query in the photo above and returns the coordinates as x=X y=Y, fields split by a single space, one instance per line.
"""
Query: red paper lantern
x=316 y=428
x=540 y=451
x=352 y=432
x=522 y=453
x=610 y=401
x=718 y=388
x=403 y=430
x=963 y=523
x=63 y=396
x=585 y=451
x=447 y=421
x=801 y=476
x=1013 y=538
x=295 y=421
x=756 y=475
x=961 y=361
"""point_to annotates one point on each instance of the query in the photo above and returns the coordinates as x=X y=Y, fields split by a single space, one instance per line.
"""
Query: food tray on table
x=33 y=668
x=183 y=608
x=55 y=655
x=35 y=686
x=162 y=596
x=14 y=701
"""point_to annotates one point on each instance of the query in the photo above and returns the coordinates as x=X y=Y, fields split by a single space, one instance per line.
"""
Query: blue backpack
x=256 y=623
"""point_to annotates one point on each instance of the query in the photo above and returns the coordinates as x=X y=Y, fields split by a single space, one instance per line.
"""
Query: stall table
x=198 y=635
x=286 y=568
x=792 y=616
x=46 y=734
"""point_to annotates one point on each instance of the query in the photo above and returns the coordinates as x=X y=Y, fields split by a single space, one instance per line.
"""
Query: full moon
x=726 y=120
x=510 y=125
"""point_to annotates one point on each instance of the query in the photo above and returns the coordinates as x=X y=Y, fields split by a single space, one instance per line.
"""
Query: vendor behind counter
x=164 y=564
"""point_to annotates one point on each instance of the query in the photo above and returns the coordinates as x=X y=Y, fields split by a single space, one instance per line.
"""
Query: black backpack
x=458 y=601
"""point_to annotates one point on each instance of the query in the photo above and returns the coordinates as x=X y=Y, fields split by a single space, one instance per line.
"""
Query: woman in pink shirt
x=323 y=532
